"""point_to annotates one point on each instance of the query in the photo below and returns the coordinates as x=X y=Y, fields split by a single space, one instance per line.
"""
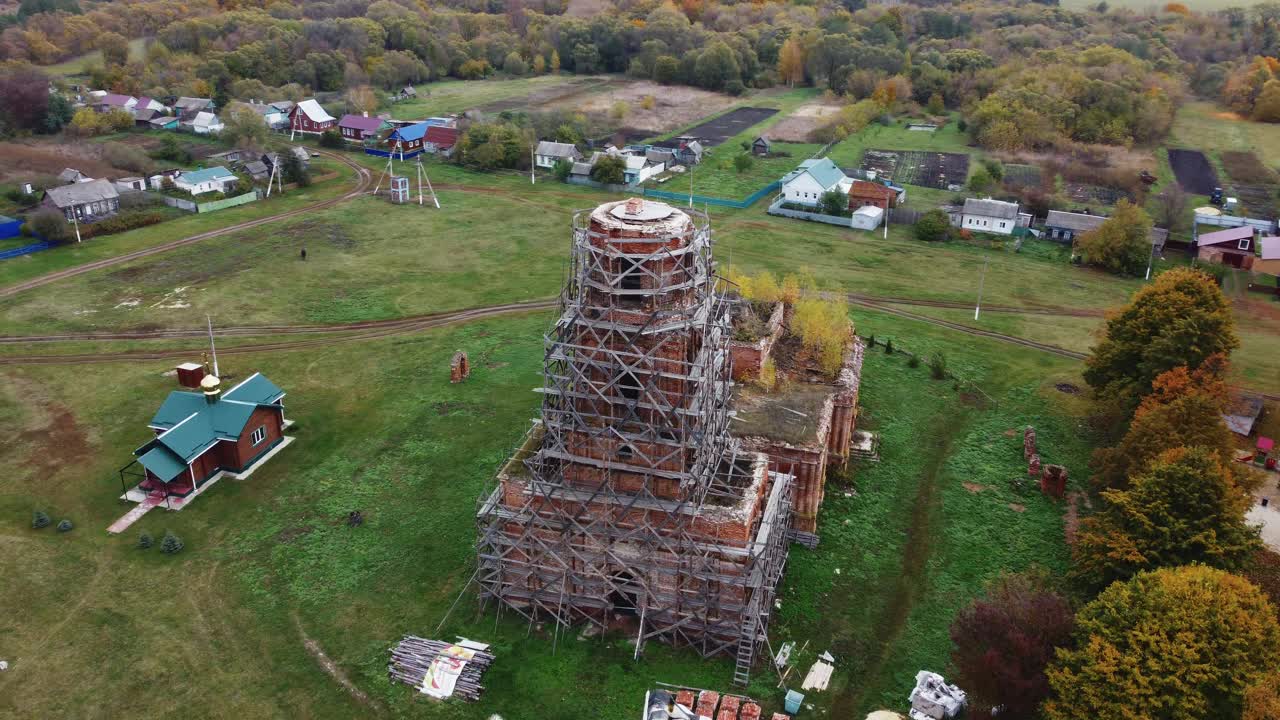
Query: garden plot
x=1086 y=193
x=672 y=106
x=1022 y=176
x=941 y=171
x=1252 y=182
x=716 y=130
x=801 y=122
x=1193 y=171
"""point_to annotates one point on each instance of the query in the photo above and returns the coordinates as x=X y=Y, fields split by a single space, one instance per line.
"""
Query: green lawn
x=80 y=65
x=19 y=269
x=455 y=96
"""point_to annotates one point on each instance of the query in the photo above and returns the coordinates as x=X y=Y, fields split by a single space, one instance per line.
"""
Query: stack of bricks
x=686 y=698
x=780 y=716
x=750 y=711
x=707 y=701
x=1029 y=451
x=729 y=708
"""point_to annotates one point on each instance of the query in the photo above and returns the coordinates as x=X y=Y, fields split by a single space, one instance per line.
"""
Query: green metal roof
x=191 y=423
x=162 y=462
x=195 y=177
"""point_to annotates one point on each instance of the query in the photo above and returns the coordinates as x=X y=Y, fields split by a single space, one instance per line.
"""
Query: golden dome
x=211 y=385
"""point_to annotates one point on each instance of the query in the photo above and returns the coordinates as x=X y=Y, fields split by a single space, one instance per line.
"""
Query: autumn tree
x=1004 y=641
x=1170 y=208
x=1267 y=107
x=362 y=99
x=933 y=226
x=1262 y=700
x=791 y=62
x=609 y=170
x=114 y=47
x=243 y=127
x=1181 y=318
x=1181 y=643
x=24 y=98
x=1122 y=243
x=1185 y=509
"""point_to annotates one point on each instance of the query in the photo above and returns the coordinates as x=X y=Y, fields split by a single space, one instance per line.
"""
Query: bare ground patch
x=673 y=106
x=797 y=126
x=52 y=434
x=28 y=160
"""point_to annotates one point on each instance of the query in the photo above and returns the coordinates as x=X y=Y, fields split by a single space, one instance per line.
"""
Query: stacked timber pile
x=438 y=668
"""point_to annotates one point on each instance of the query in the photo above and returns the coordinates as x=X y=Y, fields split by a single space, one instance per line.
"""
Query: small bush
x=171 y=544
x=768 y=375
x=914 y=362
x=39 y=520
x=331 y=138
x=888 y=346
x=122 y=222
x=51 y=225
x=735 y=87
x=145 y=540
x=742 y=163
x=65 y=525
x=938 y=366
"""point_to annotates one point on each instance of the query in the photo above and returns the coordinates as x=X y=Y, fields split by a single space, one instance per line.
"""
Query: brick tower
x=629 y=497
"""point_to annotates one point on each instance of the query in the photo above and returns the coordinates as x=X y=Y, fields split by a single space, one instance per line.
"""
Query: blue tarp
x=384 y=153
x=25 y=250
x=9 y=227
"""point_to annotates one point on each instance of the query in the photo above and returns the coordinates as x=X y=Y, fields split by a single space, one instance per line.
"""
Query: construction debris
x=820 y=674
x=693 y=704
x=440 y=669
x=933 y=699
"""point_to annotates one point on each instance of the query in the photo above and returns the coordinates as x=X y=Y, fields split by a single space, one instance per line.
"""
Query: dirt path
x=363 y=179
x=909 y=580
x=331 y=668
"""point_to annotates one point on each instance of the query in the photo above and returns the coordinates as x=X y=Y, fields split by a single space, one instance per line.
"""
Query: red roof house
x=863 y=193
x=1233 y=246
x=440 y=139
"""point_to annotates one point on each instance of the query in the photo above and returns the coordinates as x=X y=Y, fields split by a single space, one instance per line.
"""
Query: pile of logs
x=412 y=657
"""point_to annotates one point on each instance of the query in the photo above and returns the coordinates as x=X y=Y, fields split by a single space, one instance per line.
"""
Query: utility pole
x=76 y=222
x=981 y=281
x=533 y=164
x=1150 y=260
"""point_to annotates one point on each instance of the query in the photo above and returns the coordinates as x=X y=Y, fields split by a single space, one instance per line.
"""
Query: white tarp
x=934 y=699
x=443 y=674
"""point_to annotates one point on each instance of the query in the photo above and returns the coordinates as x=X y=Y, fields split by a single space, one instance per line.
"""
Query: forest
x=1026 y=75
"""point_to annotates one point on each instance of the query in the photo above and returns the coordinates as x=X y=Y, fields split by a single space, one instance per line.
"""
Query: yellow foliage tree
x=764 y=288
x=86 y=122
x=791 y=59
x=824 y=327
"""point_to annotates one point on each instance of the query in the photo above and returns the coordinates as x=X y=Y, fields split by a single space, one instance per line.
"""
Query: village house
x=114 y=101
x=84 y=201
x=273 y=117
x=257 y=169
x=639 y=169
x=439 y=140
x=689 y=151
x=156 y=180
x=1232 y=246
x=187 y=107
x=806 y=184
x=146 y=103
x=130 y=184
x=990 y=216
x=1065 y=227
x=1268 y=260
x=406 y=141
x=548 y=153
x=660 y=155
x=309 y=118
x=72 y=175
x=202 y=433
x=204 y=123
x=581 y=170
x=270 y=159
x=864 y=193
x=761 y=146
x=406 y=92
x=163 y=122
x=361 y=128
x=142 y=117
x=198 y=182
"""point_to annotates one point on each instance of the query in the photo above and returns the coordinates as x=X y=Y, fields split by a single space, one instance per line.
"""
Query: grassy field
x=80 y=65
x=18 y=269
x=222 y=630
x=455 y=96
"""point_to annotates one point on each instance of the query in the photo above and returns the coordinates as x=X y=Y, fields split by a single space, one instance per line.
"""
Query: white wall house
x=996 y=217
x=206 y=123
x=805 y=185
x=549 y=153
x=640 y=169
x=214 y=179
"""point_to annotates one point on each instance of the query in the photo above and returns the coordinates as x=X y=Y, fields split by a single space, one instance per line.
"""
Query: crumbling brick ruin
x=459 y=367
x=630 y=497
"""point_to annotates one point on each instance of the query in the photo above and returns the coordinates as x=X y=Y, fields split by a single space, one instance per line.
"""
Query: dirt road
x=363 y=179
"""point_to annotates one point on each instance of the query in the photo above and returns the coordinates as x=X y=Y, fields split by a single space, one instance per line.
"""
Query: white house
x=549 y=153
x=272 y=116
x=991 y=216
x=640 y=169
x=214 y=179
x=806 y=184
x=206 y=123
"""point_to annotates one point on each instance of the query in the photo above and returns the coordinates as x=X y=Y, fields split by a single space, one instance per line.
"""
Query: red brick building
x=199 y=434
x=863 y=193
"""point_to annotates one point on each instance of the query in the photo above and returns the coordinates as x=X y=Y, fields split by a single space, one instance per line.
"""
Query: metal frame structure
x=629 y=496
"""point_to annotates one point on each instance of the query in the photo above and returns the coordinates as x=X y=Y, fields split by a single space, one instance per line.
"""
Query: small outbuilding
x=439 y=140
x=1268 y=260
x=548 y=153
x=1232 y=246
x=761 y=146
x=1242 y=414
x=866 y=192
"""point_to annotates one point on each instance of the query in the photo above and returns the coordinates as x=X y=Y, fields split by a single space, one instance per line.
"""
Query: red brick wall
x=244 y=451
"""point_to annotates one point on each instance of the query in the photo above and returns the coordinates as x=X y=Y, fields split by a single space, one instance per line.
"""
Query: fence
x=588 y=182
x=179 y=203
x=246 y=198
x=746 y=202
x=777 y=209
x=25 y=250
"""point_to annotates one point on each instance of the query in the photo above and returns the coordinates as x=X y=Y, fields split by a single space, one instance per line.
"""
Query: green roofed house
x=806 y=184
x=204 y=432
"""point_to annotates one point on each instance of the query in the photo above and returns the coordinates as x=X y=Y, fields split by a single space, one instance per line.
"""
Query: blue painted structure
x=746 y=202
x=25 y=250
x=9 y=227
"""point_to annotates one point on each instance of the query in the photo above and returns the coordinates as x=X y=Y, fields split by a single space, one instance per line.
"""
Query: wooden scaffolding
x=629 y=495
